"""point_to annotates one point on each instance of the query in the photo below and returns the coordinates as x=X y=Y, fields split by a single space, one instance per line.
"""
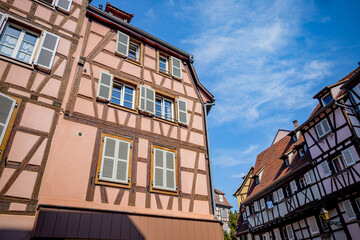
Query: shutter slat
x=108 y=159
x=122 y=43
x=7 y=106
x=182 y=112
x=64 y=4
x=47 y=50
x=289 y=232
x=256 y=205
x=326 y=169
x=176 y=67
x=104 y=86
x=349 y=210
x=349 y=160
x=123 y=154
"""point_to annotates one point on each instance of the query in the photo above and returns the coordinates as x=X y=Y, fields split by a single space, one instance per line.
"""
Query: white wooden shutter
x=281 y=194
x=290 y=232
x=349 y=160
x=3 y=18
x=122 y=161
x=104 y=86
x=47 y=50
x=293 y=186
x=7 y=106
x=64 y=4
x=122 y=43
x=308 y=178
x=256 y=205
x=108 y=159
x=349 y=210
x=262 y=203
x=247 y=210
x=170 y=170
x=275 y=196
x=147 y=99
x=313 y=225
x=277 y=234
x=176 y=67
x=326 y=125
x=326 y=169
x=158 y=172
x=182 y=111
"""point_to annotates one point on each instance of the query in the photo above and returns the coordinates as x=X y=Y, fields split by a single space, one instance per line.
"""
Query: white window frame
x=221 y=198
x=164 y=170
x=302 y=183
x=321 y=124
x=244 y=216
x=19 y=41
x=290 y=230
x=113 y=179
x=137 y=52
x=122 y=96
x=351 y=209
x=6 y=125
x=166 y=63
x=163 y=99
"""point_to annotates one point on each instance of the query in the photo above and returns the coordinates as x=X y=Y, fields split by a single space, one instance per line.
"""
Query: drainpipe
x=209 y=158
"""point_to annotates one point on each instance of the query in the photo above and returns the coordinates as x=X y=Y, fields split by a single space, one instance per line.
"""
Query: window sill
x=17 y=62
x=112 y=184
x=325 y=136
x=162 y=191
x=135 y=111
x=168 y=75
x=166 y=121
x=137 y=63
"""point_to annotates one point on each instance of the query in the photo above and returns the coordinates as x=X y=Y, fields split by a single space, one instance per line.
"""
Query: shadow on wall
x=14 y=234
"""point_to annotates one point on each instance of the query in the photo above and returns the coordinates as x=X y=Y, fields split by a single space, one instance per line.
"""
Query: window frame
x=98 y=180
x=221 y=198
x=322 y=128
x=10 y=123
x=302 y=183
x=163 y=114
x=122 y=94
x=23 y=30
x=139 y=51
x=172 y=99
x=176 y=177
x=322 y=99
x=168 y=64
x=334 y=169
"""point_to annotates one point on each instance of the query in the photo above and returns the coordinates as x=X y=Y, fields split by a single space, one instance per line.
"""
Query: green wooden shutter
x=182 y=111
x=64 y=4
x=104 y=86
x=122 y=43
x=147 y=99
x=47 y=50
x=170 y=170
x=176 y=67
x=349 y=160
x=7 y=106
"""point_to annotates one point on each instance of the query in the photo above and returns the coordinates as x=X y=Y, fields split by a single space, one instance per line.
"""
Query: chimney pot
x=295 y=122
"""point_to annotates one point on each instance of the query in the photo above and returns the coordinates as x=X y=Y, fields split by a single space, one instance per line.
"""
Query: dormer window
x=221 y=198
x=326 y=100
x=257 y=181
x=294 y=138
x=286 y=161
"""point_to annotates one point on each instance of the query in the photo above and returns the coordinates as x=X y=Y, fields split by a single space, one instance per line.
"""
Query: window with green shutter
x=164 y=167
x=114 y=164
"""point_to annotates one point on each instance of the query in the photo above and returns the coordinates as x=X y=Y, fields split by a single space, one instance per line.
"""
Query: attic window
x=326 y=100
x=286 y=161
x=221 y=198
x=257 y=181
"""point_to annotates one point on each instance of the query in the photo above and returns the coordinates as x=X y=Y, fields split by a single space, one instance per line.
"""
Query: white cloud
x=233 y=157
x=238 y=175
x=250 y=49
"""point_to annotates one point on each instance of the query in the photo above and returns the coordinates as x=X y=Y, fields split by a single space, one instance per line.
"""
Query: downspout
x=209 y=157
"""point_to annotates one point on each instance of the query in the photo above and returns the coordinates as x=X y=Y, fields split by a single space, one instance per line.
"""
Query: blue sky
x=262 y=60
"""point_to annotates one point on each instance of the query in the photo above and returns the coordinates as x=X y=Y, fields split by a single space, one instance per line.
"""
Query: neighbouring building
x=307 y=184
x=103 y=128
x=222 y=209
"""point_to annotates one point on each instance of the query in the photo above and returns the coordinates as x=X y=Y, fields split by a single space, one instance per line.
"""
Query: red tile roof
x=274 y=167
x=223 y=203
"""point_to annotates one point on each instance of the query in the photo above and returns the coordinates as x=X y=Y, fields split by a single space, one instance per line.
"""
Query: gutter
x=138 y=30
x=206 y=105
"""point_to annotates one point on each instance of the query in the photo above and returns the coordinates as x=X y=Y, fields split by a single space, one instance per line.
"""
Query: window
x=245 y=218
x=114 y=160
x=269 y=201
x=257 y=181
x=287 y=191
x=337 y=164
x=252 y=208
x=349 y=210
x=322 y=128
x=293 y=186
x=290 y=232
x=221 y=198
x=169 y=65
x=286 y=161
x=123 y=95
x=313 y=225
x=164 y=167
x=164 y=108
x=358 y=203
x=302 y=183
x=27 y=46
x=18 y=43
x=301 y=152
x=326 y=100
x=63 y=5
x=128 y=47
x=355 y=93
x=8 y=111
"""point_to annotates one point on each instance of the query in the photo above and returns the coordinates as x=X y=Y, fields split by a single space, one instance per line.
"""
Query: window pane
x=14 y=32
x=128 y=104
x=23 y=57
x=326 y=100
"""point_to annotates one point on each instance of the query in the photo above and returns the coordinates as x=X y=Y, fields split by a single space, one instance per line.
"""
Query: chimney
x=125 y=16
x=296 y=125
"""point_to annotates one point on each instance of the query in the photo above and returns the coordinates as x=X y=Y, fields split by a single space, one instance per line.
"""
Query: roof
x=244 y=180
x=225 y=203
x=273 y=166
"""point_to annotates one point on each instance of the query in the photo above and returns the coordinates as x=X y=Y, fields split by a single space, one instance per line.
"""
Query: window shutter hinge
x=130 y=146
x=103 y=139
x=128 y=179
x=16 y=105
x=0 y=150
x=98 y=174
x=152 y=183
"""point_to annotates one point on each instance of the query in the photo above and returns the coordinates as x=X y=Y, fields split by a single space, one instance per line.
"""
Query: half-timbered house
x=38 y=43
x=306 y=185
x=222 y=209
x=129 y=158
